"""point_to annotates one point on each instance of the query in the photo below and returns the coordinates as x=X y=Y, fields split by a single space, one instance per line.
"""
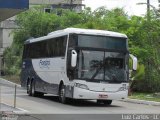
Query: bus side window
x=73 y=39
x=57 y=46
x=27 y=51
x=62 y=46
x=51 y=47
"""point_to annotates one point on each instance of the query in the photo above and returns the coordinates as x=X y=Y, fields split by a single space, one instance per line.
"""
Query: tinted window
x=102 y=42
x=57 y=46
x=54 y=47
x=73 y=40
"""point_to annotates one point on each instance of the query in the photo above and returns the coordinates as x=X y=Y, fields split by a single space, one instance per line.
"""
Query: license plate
x=103 y=96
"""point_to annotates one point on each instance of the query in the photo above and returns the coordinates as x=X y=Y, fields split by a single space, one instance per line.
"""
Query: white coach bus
x=78 y=64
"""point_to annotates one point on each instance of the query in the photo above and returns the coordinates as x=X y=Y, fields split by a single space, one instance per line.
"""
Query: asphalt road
x=50 y=105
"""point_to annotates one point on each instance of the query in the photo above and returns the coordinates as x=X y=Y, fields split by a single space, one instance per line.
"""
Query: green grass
x=12 y=78
x=145 y=96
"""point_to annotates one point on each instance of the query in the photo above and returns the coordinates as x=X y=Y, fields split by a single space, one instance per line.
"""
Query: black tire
x=29 y=87
x=105 y=102
x=38 y=94
x=33 y=92
x=62 y=97
x=32 y=88
x=99 y=102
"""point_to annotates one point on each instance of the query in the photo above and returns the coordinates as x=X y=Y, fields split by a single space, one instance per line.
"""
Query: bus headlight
x=83 y=86
x=123 y=88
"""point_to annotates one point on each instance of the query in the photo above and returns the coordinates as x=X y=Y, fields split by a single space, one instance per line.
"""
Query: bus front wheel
x=105 y=102
x=62 y=97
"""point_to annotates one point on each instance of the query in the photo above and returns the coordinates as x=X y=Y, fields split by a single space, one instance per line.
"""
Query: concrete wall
x=6 y=37
x=53 y=1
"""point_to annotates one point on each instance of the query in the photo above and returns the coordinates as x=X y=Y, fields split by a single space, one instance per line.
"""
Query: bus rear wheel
x=62 y=97
x=29 y=88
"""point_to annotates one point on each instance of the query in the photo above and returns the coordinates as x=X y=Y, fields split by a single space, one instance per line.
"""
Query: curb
x=9 y=83
x=141 y=102
x=17 y=111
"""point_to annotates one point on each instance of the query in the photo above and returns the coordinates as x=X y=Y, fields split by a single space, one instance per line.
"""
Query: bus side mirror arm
x=135 y=62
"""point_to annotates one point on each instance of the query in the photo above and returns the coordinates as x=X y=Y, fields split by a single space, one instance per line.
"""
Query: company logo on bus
x=44 y=64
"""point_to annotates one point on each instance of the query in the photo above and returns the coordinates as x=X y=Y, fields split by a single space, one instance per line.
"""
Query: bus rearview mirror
x=134 y=61
x=73 y=58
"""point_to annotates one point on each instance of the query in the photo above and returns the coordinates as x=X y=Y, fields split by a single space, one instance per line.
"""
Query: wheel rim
x=32 y=89
x=62 y=94
x=28 y=87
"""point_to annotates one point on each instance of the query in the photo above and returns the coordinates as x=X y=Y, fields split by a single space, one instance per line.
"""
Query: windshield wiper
x=114 y=78
x=100 y=65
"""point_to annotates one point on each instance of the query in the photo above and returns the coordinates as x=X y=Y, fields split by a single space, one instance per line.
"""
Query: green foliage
x=140 y=73
x=143 y=37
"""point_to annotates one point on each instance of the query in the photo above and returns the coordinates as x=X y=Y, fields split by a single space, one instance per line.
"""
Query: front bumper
x=79 y=93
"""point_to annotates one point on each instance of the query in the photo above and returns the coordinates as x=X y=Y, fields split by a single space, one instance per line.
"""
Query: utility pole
x=148 y=10
x=158 y=5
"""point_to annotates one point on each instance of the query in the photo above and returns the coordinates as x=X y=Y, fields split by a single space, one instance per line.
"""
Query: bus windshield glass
x=100 y=65
x=100 y=57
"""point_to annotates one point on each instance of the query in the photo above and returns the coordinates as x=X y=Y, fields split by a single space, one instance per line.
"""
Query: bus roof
x=67 y=31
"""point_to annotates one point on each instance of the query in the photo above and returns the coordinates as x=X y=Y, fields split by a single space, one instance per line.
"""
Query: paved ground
x=50 y=105
x=4 y=107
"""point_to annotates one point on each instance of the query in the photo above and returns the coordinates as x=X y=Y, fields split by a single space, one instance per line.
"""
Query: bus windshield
x=100 y=65
x=100 y=57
